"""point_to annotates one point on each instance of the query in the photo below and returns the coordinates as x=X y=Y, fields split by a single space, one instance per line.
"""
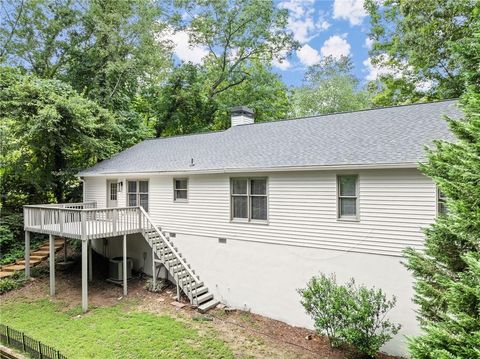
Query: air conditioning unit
x=115 y=268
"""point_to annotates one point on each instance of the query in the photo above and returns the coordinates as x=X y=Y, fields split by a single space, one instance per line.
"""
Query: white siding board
x=96 y=190
x=395 y=206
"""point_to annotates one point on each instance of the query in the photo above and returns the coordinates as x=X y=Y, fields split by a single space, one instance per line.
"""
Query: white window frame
x=356 y=217
x=137 y=191
x=175 y=199
x=249 y=196
x=441 y=199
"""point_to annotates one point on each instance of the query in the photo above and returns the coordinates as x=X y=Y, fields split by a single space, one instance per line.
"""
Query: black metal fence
x=14 y=339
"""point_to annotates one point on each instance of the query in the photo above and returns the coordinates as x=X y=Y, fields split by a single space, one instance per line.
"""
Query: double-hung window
x=441 y=203
x=347 y=189
x=249 y=200
x=180 y=189
x=137 y=193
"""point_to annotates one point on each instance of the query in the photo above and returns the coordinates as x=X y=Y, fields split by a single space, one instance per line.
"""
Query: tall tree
x=50 y=133
x=329 y=87
x=416 y=40
x=240 y=38
x=447 y=273
x=105 y=49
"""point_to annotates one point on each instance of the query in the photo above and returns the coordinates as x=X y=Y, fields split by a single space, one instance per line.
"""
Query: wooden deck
x=82 y=221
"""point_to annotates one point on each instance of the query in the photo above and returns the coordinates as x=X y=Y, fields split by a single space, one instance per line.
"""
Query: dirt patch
x=249 y=335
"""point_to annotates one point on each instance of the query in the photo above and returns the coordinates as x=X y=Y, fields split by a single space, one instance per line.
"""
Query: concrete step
x=205 y=307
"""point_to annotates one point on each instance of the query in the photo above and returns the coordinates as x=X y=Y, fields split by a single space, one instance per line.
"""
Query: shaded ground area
x=130 y=327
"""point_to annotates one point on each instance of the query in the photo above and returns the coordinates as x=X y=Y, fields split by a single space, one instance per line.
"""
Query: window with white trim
x=249 y=200
x=347 y=189
x=180 y=189
x=441 y=203
x=137 y=193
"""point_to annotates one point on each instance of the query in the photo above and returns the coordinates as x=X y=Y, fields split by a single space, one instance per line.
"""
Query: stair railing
x=192 y=278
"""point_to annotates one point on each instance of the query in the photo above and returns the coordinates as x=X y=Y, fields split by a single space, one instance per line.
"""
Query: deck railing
x=81 y=220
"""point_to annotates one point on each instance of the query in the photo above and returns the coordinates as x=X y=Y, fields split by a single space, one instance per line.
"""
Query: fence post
x=8 y=335
x=23 y=342
x=40 y=349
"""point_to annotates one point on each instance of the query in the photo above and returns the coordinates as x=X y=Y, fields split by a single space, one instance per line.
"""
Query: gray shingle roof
x=385 y=136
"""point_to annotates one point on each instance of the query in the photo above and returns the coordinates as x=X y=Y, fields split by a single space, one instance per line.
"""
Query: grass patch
x=111 y=332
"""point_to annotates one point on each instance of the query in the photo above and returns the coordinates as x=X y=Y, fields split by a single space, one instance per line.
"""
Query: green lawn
x=112 y=332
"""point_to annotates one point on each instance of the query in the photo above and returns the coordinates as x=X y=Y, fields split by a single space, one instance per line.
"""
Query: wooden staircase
x=36 y=257
x=165 y=253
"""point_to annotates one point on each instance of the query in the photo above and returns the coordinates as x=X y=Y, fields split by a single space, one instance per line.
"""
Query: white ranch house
x=248 y=215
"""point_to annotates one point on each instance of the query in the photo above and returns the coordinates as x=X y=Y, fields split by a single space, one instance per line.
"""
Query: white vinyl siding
x=96 y=190
x=395 y=205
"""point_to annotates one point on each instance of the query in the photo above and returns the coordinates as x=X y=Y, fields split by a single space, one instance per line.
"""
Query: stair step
x=205 y=297
x=33 y=262
x=205 y=307
x=4 y=274
x=40 y=253
x=196 y=291
x=13 y=268
x=38 y=257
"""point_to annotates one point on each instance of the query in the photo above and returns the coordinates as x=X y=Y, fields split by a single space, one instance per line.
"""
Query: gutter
x=404 y=165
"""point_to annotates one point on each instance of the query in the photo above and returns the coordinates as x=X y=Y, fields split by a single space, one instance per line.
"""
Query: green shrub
x=7 y=284
x=349 y=314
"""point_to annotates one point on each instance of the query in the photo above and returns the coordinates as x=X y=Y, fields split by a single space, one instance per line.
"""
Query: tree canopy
x=329 y=87
x=417 y=41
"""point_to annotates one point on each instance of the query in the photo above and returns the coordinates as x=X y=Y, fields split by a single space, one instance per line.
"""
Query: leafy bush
x=17 y=280
x=12 y=241
x=7 y=284
x=349 y=314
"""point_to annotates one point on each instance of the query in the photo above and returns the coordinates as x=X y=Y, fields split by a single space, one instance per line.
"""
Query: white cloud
x=351 y=10
x=302 y=29
x=181 y=46
x=282 y=65
x=308 y=55
x=368 y=42
x=336 y=46
x=374 y=71
x=301 y=20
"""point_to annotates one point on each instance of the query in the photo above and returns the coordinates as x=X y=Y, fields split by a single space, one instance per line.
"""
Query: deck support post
x=84 y=275
x=125 y=265
x=154 y=270
x=27 y=254
x=65 y=249
x=52 y=263
x=90 y=271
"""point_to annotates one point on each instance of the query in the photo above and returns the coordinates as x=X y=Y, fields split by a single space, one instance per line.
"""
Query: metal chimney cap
x=242 y=110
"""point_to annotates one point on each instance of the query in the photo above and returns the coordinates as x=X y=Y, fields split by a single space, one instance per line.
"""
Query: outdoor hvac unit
x=115 y=268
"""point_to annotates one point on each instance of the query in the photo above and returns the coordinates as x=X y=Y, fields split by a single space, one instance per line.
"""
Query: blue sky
x=322 y=27
x=326 y=27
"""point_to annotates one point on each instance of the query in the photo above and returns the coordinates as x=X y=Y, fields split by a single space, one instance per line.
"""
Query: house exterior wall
x=261 y=265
